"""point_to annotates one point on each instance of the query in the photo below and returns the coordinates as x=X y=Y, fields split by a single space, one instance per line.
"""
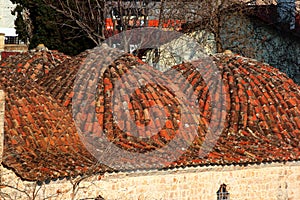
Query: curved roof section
x=34 y=64
x=40 y=138
x=59 y=82
x=262 y=122
x=263 y=114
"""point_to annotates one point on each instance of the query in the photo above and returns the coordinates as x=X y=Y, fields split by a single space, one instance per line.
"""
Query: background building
x=9 y=42
x=7 y=21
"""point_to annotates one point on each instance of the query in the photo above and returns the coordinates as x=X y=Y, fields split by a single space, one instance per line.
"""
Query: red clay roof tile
x=34 y=126
x=41 y=142
x=34 y=64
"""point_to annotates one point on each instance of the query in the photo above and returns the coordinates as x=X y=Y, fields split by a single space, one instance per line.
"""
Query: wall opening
x=222 y=193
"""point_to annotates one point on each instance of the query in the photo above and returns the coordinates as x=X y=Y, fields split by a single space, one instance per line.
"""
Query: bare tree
x=101 y=18
x=92 y=16
x=88 y=15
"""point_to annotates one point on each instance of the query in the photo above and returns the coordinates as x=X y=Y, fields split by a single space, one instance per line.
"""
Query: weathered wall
x=274 y=181
x=2 y=38
x=2 y=108
x=248 y=37
x=2 y=41
x=16 y=47
x=255 y=39
x=260 y=182
x=193 y=46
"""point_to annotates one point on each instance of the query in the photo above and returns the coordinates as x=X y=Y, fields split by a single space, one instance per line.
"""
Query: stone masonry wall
x=274 y=181
x=260 y=182
x=2 y=108
x=254 y=39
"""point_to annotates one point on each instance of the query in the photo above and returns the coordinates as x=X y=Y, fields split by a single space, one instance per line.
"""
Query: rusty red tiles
x=41 y=142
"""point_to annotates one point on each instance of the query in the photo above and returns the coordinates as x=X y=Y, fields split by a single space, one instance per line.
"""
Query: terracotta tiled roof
x=262 y=124
x=34 y=65
x=59 y=82
x=263 y=114
x=41 y=141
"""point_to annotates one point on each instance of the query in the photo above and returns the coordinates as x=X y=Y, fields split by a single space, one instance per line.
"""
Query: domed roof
x=262 y=115
x=263 y=121
x=40 y=138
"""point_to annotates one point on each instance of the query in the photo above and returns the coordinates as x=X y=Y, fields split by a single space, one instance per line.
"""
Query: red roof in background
x=41 y=142
x=5 y=54
x=151 y=23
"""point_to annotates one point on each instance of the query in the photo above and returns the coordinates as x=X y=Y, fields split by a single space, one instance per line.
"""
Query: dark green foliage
x=50 y=28
x=20 y=24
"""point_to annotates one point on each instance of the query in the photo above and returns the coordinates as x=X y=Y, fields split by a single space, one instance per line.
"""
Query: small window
x=222 y=193
x=12 y=40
